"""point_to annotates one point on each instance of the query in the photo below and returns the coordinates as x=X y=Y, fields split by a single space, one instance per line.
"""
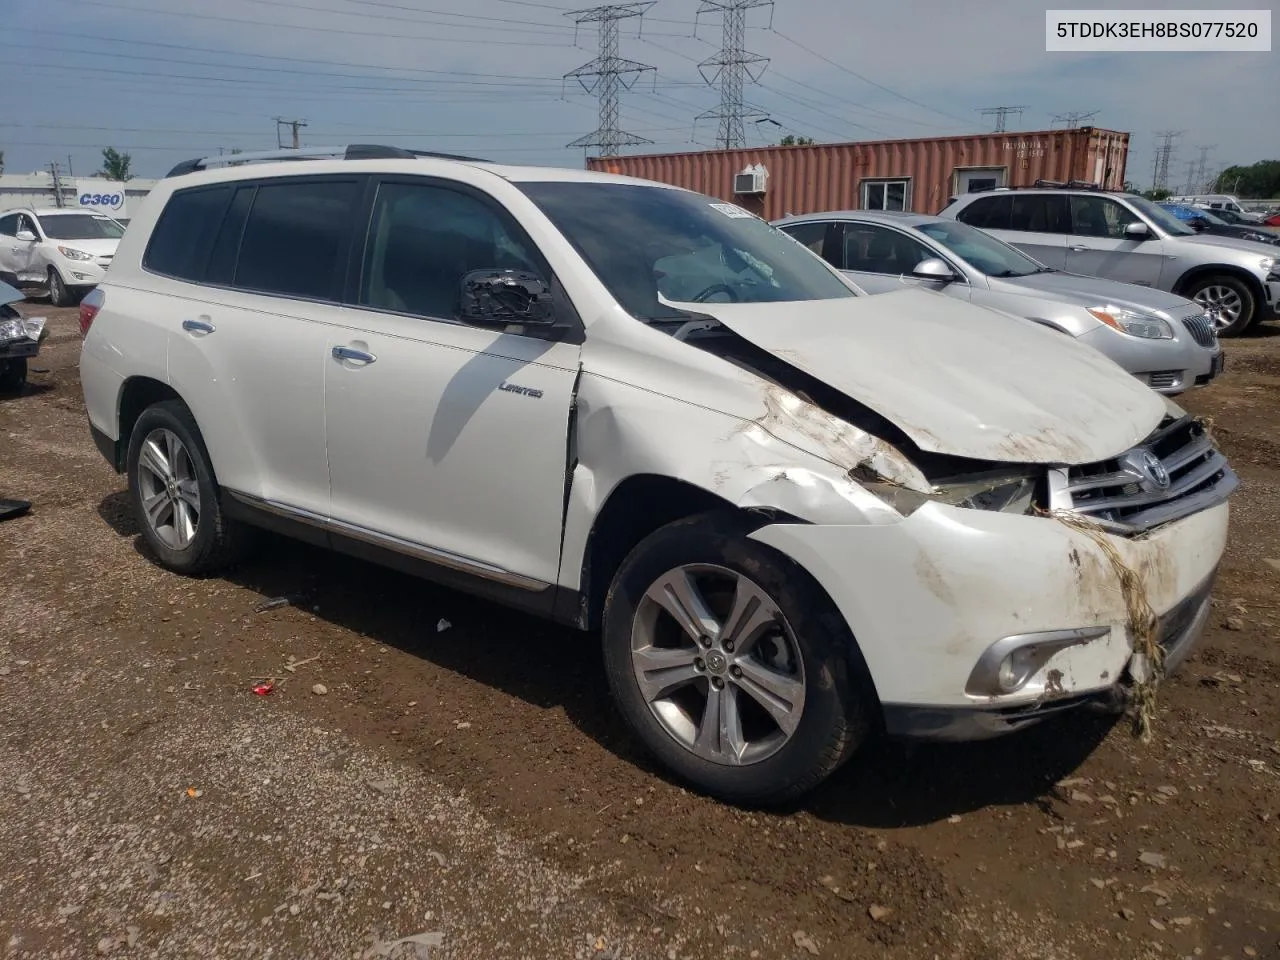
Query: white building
x=93 y=193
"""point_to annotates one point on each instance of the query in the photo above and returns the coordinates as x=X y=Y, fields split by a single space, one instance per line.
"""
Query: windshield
x=79 y=226
x=1162 y=218
x=644 y=242
x=980 y=250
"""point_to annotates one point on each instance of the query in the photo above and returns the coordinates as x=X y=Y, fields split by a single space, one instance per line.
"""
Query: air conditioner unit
x=752 y=180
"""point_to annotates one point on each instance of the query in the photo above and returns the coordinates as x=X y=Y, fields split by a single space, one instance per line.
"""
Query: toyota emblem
x=1154 y=469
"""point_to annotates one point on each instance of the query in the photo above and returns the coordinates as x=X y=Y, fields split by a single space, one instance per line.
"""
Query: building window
x=886 y=194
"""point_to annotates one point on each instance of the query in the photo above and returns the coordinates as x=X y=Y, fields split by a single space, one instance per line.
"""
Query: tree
x=116 y=165
x=792 y=140
x=1260 y=180
x=1157 y=195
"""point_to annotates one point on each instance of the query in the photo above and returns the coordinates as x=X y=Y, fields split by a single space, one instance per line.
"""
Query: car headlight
x=1133 y=323
x=20 y=329
x=1004 y=493
x=71 y=253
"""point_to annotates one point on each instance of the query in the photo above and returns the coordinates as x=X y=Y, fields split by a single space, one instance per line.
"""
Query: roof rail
x=352 y=151
x=1047 y=185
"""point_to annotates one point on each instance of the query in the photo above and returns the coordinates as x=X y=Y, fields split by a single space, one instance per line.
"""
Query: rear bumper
x=1177 y=632
x=109 y=448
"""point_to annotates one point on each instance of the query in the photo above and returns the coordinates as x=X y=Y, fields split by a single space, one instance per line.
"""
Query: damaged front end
x=20 y=340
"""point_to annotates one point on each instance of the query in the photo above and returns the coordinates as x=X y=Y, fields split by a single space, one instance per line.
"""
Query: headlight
x=12 y=330
x=71 y=253
x=1003 y=493
x=1268 y=263
x=1133 y=323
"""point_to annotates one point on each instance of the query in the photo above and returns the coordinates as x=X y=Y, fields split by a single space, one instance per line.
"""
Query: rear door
x=247 y=341
x=9 y=247
x=1098 y=246
x=1035 y=223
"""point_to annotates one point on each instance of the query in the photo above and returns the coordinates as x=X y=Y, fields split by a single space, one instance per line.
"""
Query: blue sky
x=170 y=79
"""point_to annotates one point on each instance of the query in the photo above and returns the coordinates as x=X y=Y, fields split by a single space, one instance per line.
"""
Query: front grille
x=1200 y=326
x=1163 y=379
x=1175 y=472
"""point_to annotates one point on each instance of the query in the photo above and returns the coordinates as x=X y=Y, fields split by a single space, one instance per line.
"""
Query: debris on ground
x=443 y=625
x=319 y=689
x=805 y=942
x=879 y=913
x=263 y=689
x=9 y=509
x=1156 y=860
x=272 y=604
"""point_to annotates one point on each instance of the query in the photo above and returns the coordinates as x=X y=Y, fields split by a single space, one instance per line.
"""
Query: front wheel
x=1227 y=299
x=731 y=665
x=13 y=375
x=59 y=296
x=175 y=496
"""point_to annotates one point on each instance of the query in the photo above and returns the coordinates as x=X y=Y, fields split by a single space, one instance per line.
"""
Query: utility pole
x=1073 y=119
x=1202 y=182
x=295 y=125
x=70 y=172
x=731 y=68
x=608 y=75
x=57 y=183
x=1001 y=113
x=1164 y=152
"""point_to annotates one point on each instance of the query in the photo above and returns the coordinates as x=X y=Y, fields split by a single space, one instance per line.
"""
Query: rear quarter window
x=179 y=244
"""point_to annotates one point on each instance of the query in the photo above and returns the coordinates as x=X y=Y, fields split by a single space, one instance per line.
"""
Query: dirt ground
x=469 y=778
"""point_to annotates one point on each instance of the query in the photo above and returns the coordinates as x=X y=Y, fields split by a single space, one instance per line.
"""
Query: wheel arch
x=1185 y=282
x=136 y=395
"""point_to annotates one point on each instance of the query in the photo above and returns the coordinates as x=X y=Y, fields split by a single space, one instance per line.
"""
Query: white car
x=65 y=251
x=795 y=512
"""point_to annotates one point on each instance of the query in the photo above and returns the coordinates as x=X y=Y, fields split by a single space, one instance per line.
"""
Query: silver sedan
x=1165 y=340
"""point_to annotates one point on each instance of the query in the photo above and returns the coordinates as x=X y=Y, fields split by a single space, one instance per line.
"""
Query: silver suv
x=1128 y=238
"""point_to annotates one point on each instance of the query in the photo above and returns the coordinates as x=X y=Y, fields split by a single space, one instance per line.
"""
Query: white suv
x=65 y=251
x=796 y=513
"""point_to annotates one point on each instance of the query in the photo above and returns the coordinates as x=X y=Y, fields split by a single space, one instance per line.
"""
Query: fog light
x=80 y=276
x=1008 y=665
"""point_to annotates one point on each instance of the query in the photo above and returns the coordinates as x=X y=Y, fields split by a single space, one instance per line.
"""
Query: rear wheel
x=731 y=665
x=1228 y=299
x=175 y=495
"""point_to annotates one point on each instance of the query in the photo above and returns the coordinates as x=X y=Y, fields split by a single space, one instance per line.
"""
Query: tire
x=806 y=641
x=187 y=531
x=1236 y=299
x=13 y=375
x=59 y=295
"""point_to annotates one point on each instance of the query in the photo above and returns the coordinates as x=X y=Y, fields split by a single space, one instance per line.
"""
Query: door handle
x=358 y=356
x=1079 y=249
x=198 y=326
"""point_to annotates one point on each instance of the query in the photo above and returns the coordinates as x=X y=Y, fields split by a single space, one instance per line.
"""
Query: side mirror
x=27 y=236
x=1137 y=231
x=496 y=297
x=933 y=269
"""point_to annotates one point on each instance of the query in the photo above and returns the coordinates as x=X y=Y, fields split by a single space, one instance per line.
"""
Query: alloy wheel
x=168 y=489
x=1221 y=303
x=717 y=664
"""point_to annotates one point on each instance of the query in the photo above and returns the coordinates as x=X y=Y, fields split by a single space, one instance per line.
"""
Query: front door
x=447 y=440
x=18 y=255
x=1099 y=247
x=880 y=259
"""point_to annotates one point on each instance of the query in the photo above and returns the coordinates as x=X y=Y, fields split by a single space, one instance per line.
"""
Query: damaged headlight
x=20 y=329
x=1005 y=493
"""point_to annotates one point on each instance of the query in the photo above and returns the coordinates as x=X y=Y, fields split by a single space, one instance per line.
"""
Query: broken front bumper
x=929 y=597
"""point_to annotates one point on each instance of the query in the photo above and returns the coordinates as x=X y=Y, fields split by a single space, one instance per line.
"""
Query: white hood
x=956 y=378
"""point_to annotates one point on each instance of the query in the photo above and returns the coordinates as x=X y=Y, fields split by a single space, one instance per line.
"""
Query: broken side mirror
x=497 y=297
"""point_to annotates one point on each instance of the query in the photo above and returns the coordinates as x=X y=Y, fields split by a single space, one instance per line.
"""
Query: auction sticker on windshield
x=731 y=210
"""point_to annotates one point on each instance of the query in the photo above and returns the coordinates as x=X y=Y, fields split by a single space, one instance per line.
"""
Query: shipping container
x=915 y=175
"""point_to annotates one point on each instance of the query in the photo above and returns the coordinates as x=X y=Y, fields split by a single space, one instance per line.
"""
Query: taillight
x=89 y=308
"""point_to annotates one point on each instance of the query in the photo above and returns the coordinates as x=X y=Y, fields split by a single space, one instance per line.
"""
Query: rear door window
x=1040 y=213
x=297 y=238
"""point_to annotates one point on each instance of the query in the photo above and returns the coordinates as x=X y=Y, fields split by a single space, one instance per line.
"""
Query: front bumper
x=81 y=273
x=926 y=597
x=1167 y=366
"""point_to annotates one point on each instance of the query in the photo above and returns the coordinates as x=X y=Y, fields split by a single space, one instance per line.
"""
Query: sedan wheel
x=168 y=488
x=718 y=664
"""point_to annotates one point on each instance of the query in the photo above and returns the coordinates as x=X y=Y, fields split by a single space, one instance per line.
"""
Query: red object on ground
x=262 y=689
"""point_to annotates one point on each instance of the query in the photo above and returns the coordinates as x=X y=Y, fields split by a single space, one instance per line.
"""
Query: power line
x=1074 y=119
x=731 y=67
x=1164 y=152
x=609 y=74
x=1001 y=113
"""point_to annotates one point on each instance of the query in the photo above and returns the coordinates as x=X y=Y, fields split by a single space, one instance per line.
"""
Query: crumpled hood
x=1097 y=292
x=956 y=378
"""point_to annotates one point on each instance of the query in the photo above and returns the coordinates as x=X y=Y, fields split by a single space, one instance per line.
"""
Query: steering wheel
x=714 y=289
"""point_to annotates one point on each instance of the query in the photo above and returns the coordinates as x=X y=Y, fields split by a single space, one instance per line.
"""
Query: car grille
x=1200 y=326
x=1175 y=472
x=1163 y=379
